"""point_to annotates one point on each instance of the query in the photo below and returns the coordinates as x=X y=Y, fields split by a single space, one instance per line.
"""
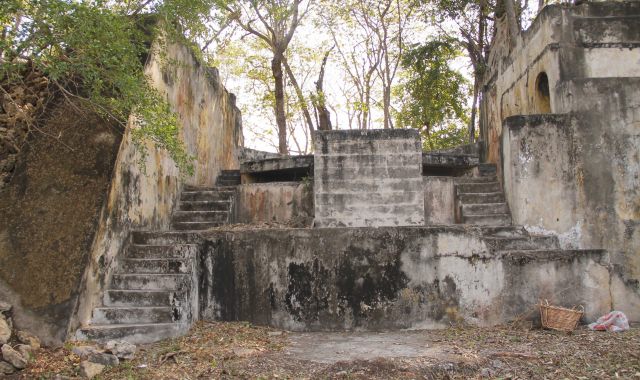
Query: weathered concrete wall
x=273 y=202
x=368 y=178
x=137 y=200
x=386 y=278
x=577 y=175
x=439 y=200
x=591 y=40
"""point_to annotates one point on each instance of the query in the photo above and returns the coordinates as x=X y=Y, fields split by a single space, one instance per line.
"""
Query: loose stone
x=104 y=359
x=121 y=349
x=12 y=356
x=30 y=339
x=6 y=368
x=5 y=331
x=90 y=370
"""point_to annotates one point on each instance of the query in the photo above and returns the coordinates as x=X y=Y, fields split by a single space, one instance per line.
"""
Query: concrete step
x=196 y=226
x=551 y=254
x=132 y=333
x=487 y=169
x=488 y=220
x=521 y=243
x=119 y=315
x=485 y=179
x=205 y=206
x=200 y=216
x=484 y=209
x=167 y=265
x=190 y=188
x=546 y=241
x=137 y=298
x=165 y=237
x=476 y=198
x=228 y=181
x=150 y=281
x=222 y=194
x=475 y=188
x=163 y=251
x=504 y=231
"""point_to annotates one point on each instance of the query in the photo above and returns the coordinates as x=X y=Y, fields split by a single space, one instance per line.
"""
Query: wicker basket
x=560 y=318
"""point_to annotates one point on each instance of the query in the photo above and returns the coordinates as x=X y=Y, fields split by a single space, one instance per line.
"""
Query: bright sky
x=259 y=126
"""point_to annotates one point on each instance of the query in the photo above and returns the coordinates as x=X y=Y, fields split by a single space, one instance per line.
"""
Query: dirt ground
x=242 y=351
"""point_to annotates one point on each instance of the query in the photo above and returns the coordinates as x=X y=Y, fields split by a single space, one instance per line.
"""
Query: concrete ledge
x=277 y=164
x=449 y=160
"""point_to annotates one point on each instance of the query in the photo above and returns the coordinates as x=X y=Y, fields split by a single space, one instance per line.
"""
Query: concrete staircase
x=480 y=199
x=203 y=208
x=152 y=292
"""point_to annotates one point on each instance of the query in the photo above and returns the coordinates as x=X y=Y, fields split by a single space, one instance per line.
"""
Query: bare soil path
x=242 y=351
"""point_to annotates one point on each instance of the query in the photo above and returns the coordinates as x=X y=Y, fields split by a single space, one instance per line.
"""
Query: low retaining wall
x=274 y=202
x=386 y=278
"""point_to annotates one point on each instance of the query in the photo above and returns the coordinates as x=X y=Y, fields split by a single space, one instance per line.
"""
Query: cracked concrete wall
x=368 y=178
x=144 y=198
x=387 y=278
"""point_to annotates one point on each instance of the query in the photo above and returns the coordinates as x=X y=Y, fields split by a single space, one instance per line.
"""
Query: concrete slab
x=330 y=348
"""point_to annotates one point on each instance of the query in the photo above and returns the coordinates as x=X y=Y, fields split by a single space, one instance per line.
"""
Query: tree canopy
x=298 y=65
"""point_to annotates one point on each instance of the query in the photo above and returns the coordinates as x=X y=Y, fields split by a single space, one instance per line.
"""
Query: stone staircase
x=152 y=292
x=480 y=199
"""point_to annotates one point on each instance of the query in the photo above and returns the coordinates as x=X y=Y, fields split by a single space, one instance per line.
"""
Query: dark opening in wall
x=543 y=101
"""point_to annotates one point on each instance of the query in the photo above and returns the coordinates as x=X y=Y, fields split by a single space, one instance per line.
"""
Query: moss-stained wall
x=137 y=200
x=387 y=278
x=48 y=216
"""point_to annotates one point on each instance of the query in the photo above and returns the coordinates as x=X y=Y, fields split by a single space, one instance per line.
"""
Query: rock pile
x=16 y=347
x=96 y=359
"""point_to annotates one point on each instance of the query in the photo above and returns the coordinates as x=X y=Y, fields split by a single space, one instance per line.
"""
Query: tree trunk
x=281 y=121
x=472 y=122
x=324 y=117
x=512 y=21
x=386 y=106
x=301 y=99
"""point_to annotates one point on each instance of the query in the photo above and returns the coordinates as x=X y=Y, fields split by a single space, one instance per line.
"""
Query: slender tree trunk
x=386 y=105
x=472 y=122
x=301 y=99
x=281 y=121
x=512 y=21
x=324 y=117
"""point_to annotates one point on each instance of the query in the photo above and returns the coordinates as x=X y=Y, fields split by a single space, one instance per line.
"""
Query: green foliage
x=93 y=52
x=433 y=95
